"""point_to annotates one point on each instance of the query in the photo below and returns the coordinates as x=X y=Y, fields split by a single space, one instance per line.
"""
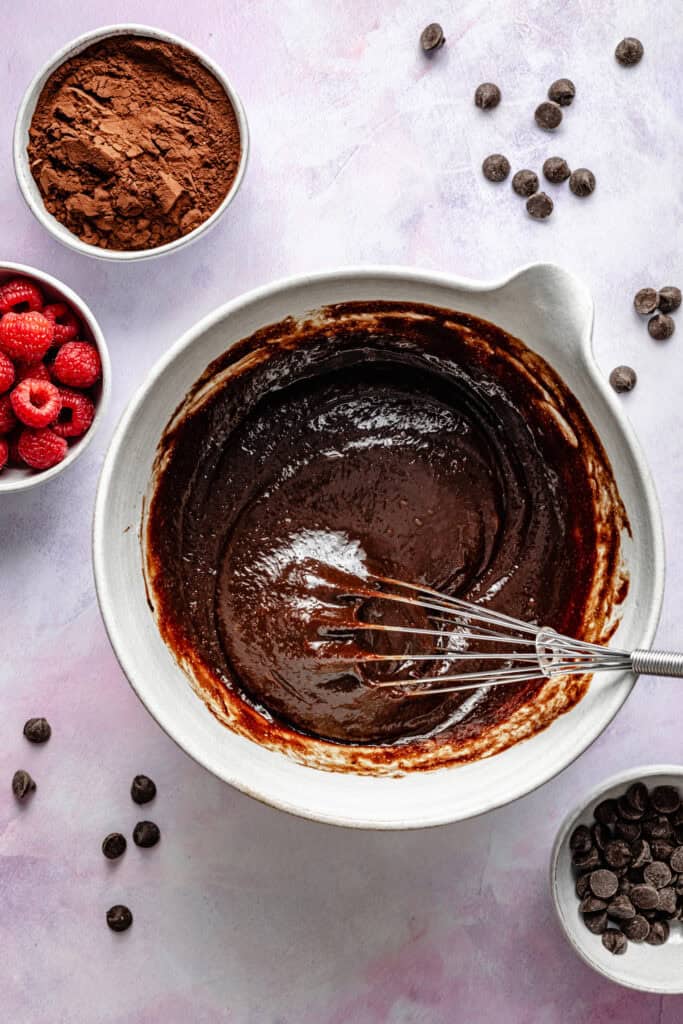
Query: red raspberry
x=4 y=453
x=20 y=292
x=6 y=373
x=41 y=449
x=36 y=402
x=36 y=371
x=77 y=364
x=76 y=414
x=26 y=336
x=7 y=418
x=66 y=324
x=14 y=459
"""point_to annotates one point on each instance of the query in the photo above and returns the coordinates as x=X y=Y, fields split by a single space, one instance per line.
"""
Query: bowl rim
x=25 y=113
x=619 y=779
x=14 y=485
x=400 y=274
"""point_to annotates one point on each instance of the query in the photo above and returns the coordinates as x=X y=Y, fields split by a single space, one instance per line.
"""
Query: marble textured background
x=363 y=151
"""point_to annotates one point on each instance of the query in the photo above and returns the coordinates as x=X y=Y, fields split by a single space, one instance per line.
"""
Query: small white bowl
x=17 y=479
x=26 y=181
x=643 y=967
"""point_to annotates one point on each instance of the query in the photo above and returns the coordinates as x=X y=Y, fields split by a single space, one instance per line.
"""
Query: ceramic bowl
x=647 y=968
x=30 y=190
x=553 y=313
x=18 y=479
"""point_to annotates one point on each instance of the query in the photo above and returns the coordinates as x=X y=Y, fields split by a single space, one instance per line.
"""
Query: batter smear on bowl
x=406 y=440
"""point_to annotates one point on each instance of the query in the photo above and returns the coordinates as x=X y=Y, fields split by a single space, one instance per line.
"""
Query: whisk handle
x=658 y=663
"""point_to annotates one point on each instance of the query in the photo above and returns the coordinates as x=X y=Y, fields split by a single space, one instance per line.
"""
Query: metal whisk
x=507 y=651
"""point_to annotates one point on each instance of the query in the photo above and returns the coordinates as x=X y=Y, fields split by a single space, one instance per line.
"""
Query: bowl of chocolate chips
x=616 y=877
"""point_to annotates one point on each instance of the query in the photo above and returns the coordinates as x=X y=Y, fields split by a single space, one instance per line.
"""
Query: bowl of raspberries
x=54 y=376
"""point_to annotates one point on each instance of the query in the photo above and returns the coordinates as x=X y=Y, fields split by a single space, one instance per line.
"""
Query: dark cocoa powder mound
x=133 y=143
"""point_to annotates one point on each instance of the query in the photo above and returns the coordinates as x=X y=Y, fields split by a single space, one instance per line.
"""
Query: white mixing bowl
x=553 y=313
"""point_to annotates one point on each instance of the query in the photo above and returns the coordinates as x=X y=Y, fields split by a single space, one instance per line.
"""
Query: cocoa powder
x=133 y=143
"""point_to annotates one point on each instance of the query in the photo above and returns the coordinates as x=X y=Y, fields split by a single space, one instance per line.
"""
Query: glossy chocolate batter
x=406 y=441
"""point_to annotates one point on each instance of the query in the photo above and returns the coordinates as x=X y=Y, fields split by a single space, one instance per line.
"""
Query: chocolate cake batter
x=407 y=441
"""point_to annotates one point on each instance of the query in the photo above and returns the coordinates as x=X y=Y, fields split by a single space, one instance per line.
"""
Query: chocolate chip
x=643 y=896
x=606 y=812
x=623 y=378
x=678 y=833
x=665 y=799
x=596 y=923
x=487 y=96
x=562 y=91
x=113 y=845
x=645 y=302
x=615 y=941
x=658 y=934
x=661 y=849
x=601 y=836
x=591 y=904
x=676 y=861
x=669 y=298
x=637 y=929
x=119 y=918
x=432 y=37
x=548 y=116
x=628 y=830
x=656 y=826
x=627 y=811
x=496 y=167
x=525 y=183
x=539 y=206
x=37 y=730
x=146 y=833
x=556 y=169
x=625 y=885
x=657 y=874
x=143 y=789
x=621 y=908
x=629 y=51
x=603 y=883
x=582 y=182
x=582 y=886
x=618 y=853
x=580 y=841
x=637 y=793
x=667 y=903
x=587 y=861
x=23 y=784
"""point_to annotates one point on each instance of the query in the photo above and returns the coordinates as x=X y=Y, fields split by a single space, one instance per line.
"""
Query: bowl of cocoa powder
x=130 y=143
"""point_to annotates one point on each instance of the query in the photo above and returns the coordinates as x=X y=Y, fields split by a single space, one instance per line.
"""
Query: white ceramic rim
x=107 y=600
x=25 y=180
x=620 y=779
x=12 y=485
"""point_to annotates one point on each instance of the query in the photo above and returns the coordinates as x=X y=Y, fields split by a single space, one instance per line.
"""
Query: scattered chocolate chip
x=587 y=861
x=601 y=836
x=661 y=327
x=637 y=929
x=487 y=96
x=629 y=51
x=667 y=901
x=669 y=298
x=143 y=789
x=665 y=799
x=580 y=841
x=525 y=183
x=496 y=167
x=618 y=853
x=676 y=861
x=637 y=793
x=146 y=833
x=657 y=874
x=548 y=116
x=37 y=730
x=661 y=849
x=119 y=918
x=432 y=37
x=582 y=182
x=614 y=940
x=556 y=169
x=645 y=301
x=628 y=830
x=113 y=845
x=606 y=812
x=603 y=883
x=645 y=897
x=622 y=379
x=658 y=934
x=22 y=784
x=562 y=92
x=539 y=206
x=596 y=923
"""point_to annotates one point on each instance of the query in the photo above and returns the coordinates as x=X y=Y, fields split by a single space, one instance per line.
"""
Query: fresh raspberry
x=77 y=364
x=66 y=324
x=36 y=371
x=4 y=453
x=41 y=449
x=76 y=414
x=6 y=373
x=19 y=293
x=36 y=402
x=7 y=418
x=25 y=336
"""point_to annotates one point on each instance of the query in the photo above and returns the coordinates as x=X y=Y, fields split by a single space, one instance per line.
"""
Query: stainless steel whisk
x=521 y=651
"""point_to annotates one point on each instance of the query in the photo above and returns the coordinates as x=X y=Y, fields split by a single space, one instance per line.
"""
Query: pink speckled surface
x=362 y=151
